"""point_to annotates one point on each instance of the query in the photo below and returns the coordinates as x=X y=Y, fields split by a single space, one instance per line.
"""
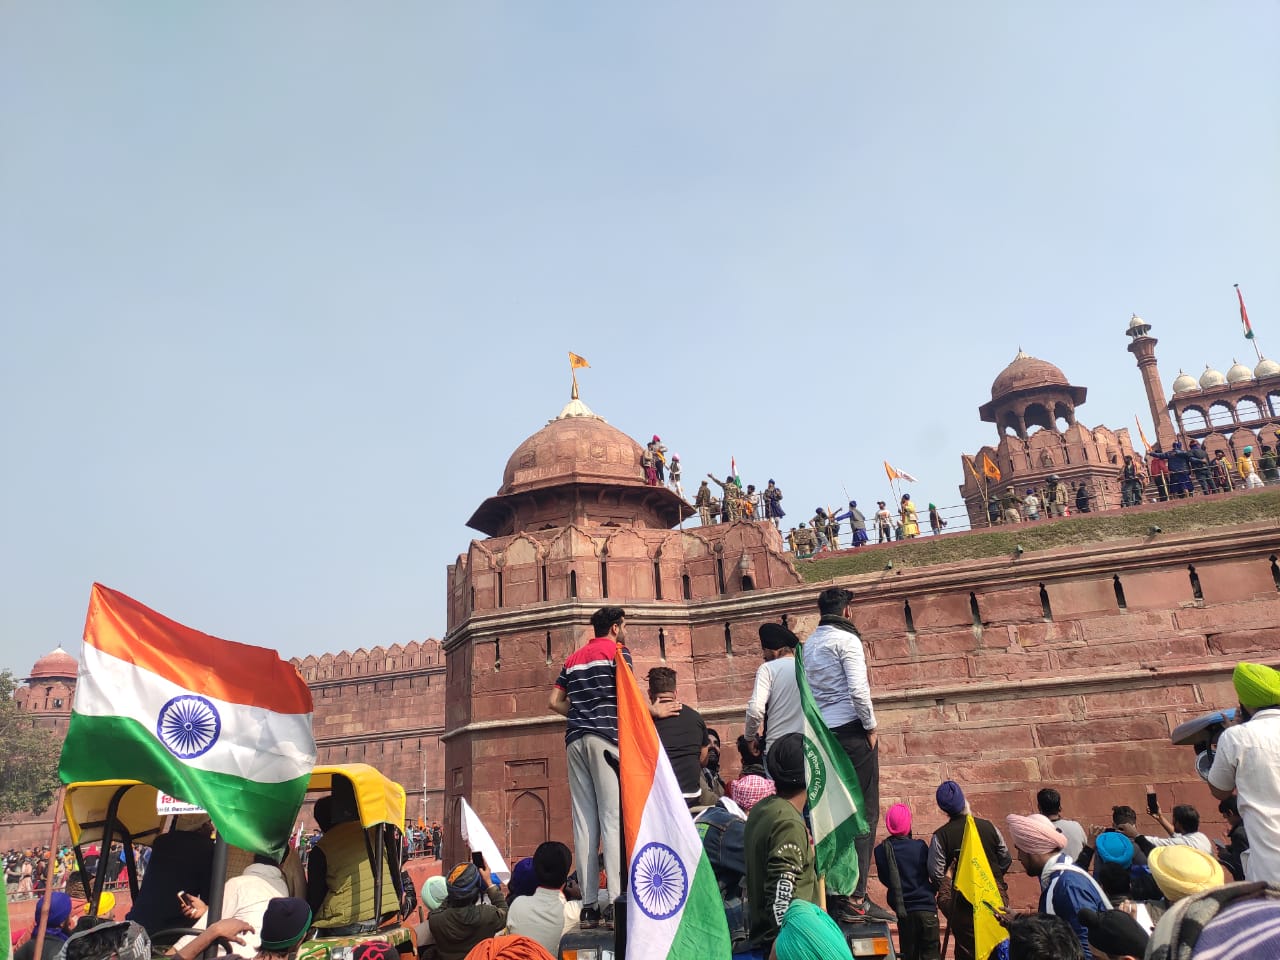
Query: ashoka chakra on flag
x=188 y=726
x=659 y=881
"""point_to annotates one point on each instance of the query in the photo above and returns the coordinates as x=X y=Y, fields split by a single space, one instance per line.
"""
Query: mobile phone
x=478 y=859
x=1153 y=804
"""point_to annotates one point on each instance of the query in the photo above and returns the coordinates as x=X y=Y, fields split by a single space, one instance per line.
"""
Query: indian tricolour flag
x=675 y=909
x=222 y=725
x=835 y=797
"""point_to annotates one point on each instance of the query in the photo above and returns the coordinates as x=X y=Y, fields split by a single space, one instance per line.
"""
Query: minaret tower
x=1143 y=347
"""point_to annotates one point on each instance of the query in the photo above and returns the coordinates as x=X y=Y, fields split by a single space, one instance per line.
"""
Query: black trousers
x=866 y=763
x=919 y=937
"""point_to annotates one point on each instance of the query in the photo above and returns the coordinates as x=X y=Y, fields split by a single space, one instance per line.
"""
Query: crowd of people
x=1107 y=890
x=25 y=870
x=1156 y=476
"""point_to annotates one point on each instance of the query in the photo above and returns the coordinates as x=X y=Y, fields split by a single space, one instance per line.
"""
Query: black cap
x=285 y=922
x=1114 y=932
x=774 y=636
x=786 y=762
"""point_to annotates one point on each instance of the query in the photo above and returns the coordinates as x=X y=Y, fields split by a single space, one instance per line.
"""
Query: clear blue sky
x=282 y=285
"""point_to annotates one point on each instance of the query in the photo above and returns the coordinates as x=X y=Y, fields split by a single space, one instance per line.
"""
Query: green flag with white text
x=835 y=797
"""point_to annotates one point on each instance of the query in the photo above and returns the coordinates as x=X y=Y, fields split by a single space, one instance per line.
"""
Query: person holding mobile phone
x=463 y=921
x=243 y=898
x=1184 y=830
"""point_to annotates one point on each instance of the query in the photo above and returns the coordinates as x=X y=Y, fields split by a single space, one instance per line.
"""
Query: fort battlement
x=395 y=659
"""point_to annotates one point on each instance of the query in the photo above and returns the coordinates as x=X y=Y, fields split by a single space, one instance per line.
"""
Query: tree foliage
x=28 y=757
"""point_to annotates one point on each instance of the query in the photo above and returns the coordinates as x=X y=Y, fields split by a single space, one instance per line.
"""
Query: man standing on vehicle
x=836 y=668
x=587 y=695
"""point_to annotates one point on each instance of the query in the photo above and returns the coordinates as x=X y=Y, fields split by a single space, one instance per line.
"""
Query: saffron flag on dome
x=975 y=880
x=1244 y=315
x=222 y=725
x=576 y=362
x=835 y=796
x=675 y=908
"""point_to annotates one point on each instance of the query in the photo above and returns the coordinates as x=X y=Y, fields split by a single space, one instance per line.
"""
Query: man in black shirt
x=684 y=735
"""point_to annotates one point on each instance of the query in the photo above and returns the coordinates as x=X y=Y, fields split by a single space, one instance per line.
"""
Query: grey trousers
x=597 y=820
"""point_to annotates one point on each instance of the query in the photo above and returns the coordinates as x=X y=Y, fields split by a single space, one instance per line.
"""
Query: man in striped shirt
x=586 y=694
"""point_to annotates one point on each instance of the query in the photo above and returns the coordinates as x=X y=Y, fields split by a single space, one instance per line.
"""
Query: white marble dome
x=1211 y=378
x=1239 y=373
x=1185 y=383
x=1266 y=368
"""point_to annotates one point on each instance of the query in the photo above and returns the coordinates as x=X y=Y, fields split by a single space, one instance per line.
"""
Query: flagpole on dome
x=575 y=362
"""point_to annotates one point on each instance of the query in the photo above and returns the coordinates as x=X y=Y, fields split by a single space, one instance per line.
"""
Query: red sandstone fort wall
x=383 y=707
x=1067 y=668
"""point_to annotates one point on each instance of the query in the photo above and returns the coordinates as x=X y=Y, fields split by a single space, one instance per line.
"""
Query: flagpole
x=1248 y=327
x=43 y=925
x=624 y=865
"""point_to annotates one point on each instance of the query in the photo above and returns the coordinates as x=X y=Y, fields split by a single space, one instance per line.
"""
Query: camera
x=1202 y=732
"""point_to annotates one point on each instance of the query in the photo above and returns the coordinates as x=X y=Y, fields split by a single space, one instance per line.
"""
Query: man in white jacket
x=243 y=898
x=836 y=668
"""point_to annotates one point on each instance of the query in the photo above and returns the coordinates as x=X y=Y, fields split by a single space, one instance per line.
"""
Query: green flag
x=835 y=798
x=4 y=928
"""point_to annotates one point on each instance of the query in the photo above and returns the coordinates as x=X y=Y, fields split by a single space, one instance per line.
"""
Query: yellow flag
x=975 y=880
x=968 y=462
x=576 y=361
x=893 y=474
x=1146 y=443
x=990 y=469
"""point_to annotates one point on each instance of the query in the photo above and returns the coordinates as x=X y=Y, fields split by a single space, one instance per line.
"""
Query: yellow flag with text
x=975 y=880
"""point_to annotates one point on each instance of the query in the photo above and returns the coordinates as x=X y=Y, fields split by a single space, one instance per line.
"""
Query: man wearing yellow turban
x=1247 y=762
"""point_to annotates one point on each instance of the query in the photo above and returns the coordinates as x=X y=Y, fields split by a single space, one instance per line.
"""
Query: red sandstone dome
x=575 y=447
x=1027 y=373
x=58 y=665
x=576 y=469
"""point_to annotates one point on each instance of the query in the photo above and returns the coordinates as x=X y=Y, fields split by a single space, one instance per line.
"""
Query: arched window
x=1193 y=418
x=1037 y=415
x=1273 y=402
x=1248 y=410
x=1220 y=415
